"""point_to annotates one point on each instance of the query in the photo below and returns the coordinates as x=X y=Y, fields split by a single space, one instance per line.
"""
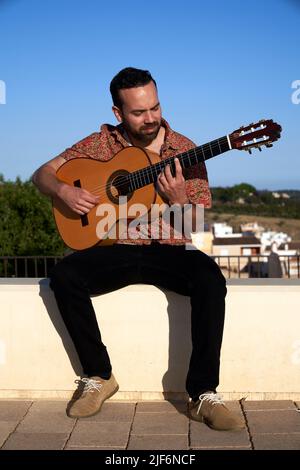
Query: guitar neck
x=148 y=175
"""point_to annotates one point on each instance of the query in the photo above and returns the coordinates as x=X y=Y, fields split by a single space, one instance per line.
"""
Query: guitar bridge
x=84 y=218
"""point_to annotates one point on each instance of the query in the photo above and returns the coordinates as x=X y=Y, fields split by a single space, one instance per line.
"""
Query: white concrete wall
x=147 y=333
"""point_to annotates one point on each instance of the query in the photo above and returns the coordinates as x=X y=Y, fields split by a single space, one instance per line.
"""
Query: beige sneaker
x=210 y=409
x=96 y=390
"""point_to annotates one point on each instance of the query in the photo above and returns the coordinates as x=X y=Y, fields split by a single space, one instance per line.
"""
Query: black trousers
x=99 y=270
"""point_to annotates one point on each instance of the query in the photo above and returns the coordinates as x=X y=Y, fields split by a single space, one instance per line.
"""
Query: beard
x=145 y=135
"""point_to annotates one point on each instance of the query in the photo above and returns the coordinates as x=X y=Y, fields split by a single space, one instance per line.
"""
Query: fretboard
x=149 y=174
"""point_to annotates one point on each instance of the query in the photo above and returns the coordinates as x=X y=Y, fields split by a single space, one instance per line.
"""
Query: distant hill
x=293 y=193
x=246 y=199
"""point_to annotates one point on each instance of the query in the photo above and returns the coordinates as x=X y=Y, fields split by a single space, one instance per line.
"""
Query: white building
x=269 y=237
x=222 y=230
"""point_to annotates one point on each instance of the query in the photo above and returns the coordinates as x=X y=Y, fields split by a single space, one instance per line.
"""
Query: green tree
x=27 y=226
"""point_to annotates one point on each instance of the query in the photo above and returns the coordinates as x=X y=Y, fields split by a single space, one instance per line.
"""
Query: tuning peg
x=259 y=148
x=250 y=151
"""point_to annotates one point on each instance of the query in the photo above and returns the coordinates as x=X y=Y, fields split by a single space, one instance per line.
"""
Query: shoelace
x=212 y=398
x=91 y=385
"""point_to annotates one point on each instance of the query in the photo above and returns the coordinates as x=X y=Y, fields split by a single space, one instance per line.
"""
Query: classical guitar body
x=104 y=179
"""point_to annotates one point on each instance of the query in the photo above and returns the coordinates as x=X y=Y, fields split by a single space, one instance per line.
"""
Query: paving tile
x=222 y=448
x=201 y=436
x=268 y=405
x=94 y=448
x=161 y=407
x=158 y=442
x=12 y=410
x=95 y=434
x=35 y=441
x=49 y=406
x=159 y=423
x=46 y=417
x=289 y=441
x=119 y=412
x=6 y=427
x=277 y=421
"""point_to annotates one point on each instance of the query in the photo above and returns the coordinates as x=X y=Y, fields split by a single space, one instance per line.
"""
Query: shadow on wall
x=179 y=315
x=180 y=343
x=50 y=303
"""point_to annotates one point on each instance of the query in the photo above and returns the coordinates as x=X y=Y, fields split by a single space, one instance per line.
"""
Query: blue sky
x=218 y=65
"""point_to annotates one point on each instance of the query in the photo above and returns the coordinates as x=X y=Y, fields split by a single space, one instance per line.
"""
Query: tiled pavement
x=145 y=425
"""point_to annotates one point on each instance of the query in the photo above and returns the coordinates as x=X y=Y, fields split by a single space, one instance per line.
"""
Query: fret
x=132 y=178
x=139 y=179
x=189 y=157
x=202 y=148
x=152 y=174
x=143 y=179
x=224 y=144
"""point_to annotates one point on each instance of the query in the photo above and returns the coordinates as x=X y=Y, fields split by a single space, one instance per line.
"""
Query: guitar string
x=148 y=171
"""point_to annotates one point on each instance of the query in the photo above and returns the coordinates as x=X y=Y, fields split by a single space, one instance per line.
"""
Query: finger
x=83 y=208
x=178 y=169
x=86 y=204
x=160 y=186
x=162 y=180
x=168 y=174
x=79 y=212
x=87 y=196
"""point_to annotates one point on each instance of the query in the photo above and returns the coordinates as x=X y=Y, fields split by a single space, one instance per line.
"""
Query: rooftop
x=236 y=241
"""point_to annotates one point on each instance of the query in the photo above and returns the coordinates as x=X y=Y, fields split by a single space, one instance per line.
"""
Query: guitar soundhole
x=119 y=185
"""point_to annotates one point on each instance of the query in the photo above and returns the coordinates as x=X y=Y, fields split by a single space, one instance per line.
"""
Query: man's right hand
x=79 y=200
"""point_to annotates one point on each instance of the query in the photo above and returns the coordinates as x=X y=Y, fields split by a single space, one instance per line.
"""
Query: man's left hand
x=173 y=188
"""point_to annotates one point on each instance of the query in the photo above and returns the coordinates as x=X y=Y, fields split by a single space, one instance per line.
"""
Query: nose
x=149 y=118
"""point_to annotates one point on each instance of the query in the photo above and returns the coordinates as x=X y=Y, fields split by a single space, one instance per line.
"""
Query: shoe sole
x=99 y=409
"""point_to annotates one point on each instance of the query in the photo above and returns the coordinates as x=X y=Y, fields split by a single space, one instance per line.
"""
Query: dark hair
x=128 y=78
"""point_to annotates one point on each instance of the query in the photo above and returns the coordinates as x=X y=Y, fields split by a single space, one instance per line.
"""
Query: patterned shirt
x=104 y=145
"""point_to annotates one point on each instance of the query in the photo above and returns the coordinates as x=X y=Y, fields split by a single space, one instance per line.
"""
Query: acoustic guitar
x=133 y=172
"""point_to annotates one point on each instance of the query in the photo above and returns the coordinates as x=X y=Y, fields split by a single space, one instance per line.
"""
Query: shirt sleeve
x=196 y=180
x=85 y=148
x=197 y=186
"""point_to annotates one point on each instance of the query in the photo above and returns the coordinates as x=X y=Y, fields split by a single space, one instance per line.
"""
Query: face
x=140 y=113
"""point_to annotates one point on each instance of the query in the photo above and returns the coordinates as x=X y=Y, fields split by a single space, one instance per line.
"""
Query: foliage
x=27 y=226
x=246 y=199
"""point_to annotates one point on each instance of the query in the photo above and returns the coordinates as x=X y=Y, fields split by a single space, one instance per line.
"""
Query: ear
x=118 y=113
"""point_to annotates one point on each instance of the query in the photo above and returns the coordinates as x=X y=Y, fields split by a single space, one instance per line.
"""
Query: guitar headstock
x=255 y=135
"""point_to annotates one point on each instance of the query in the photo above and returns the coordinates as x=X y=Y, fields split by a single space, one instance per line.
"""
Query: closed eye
x=138 y=112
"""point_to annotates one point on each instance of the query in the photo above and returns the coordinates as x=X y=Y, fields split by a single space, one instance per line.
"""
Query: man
x=164 y=262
